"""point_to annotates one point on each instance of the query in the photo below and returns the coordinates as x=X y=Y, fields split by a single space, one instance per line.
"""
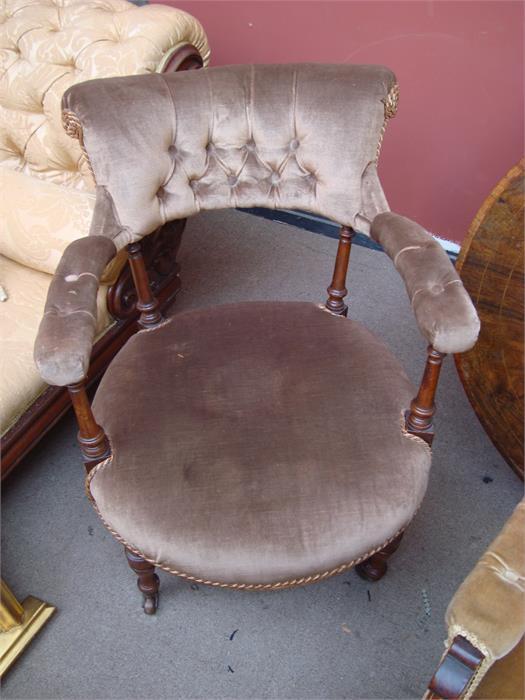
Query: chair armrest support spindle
x=92 y=439
x=418 y=420
x=337 y=289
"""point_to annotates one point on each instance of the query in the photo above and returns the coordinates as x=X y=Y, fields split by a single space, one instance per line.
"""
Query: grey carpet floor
x=344 y=638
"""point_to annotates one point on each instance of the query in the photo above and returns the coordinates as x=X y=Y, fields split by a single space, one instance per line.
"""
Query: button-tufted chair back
x=48 y=45
x=163 y=147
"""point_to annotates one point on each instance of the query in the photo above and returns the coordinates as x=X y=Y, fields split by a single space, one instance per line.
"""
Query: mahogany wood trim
x=147 y=304
x=456 y=671
x=337 y=289
x=422 y=409
x=185 y=57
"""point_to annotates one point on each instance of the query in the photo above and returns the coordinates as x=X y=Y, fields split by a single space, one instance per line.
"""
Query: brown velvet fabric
x=257 y=442
x=65 y=335
x=444 y=311
x=292 y=136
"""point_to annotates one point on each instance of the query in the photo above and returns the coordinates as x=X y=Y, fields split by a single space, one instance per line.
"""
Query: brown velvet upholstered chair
x=216 y=446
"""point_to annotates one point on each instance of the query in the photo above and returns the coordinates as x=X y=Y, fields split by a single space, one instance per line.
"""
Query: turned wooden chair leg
x=148 y=581
x=375 y=567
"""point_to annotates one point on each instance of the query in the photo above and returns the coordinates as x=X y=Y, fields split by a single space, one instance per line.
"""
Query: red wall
x=459 y=127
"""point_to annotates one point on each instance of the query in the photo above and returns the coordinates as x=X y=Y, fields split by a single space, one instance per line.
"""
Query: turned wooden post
x=147 y=303
x=422 y=409
x=91 y=437
x=337 y=289
x=147 y=581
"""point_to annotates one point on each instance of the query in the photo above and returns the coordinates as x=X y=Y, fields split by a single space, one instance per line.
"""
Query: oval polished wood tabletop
x=491 y=267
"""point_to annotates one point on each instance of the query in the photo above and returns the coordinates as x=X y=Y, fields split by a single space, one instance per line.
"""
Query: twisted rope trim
x=276 y=586
x=73 y=128
x=390 y=103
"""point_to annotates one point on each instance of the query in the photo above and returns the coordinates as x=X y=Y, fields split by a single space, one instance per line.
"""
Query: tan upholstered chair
x=46 y=189
x=486 y=624
x=217 y=448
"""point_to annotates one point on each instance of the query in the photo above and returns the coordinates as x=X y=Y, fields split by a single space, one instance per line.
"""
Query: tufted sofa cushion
x=40 y=219
x=48 y=45
x=45 y=47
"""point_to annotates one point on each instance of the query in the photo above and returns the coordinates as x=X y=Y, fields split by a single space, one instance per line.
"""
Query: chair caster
x=150 y=604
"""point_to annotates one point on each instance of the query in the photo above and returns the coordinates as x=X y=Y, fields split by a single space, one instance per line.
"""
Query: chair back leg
x=375 y=567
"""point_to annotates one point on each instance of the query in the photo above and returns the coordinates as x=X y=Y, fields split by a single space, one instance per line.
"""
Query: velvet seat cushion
x=256 y=443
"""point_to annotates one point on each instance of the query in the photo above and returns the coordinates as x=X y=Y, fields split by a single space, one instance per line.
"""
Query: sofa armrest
x=166 y=28
x=488 y=608
x=444 y=311
x=65 y=336
x=486 y=617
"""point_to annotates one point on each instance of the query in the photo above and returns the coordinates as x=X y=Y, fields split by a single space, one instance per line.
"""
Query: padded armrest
x=444 y=311
x=489 y=606
x=65 y=336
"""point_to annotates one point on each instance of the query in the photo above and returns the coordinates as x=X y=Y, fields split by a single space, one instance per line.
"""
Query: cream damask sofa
x=46 y=198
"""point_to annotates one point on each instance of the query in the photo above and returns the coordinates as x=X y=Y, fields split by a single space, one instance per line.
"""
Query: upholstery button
x=437 y=289
x=294 y=145
x=510 y=575
x=210 y=147
x=274 y=178
x=250 y=145
x=172 y=151
x=232 y=180
x=160 y=193
x=194 y=184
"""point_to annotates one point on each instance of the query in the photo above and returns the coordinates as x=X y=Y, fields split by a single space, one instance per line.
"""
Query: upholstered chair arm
x=65 y=336
x=443 y=309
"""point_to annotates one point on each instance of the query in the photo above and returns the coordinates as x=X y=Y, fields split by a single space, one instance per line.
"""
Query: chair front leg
x=147 y=582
